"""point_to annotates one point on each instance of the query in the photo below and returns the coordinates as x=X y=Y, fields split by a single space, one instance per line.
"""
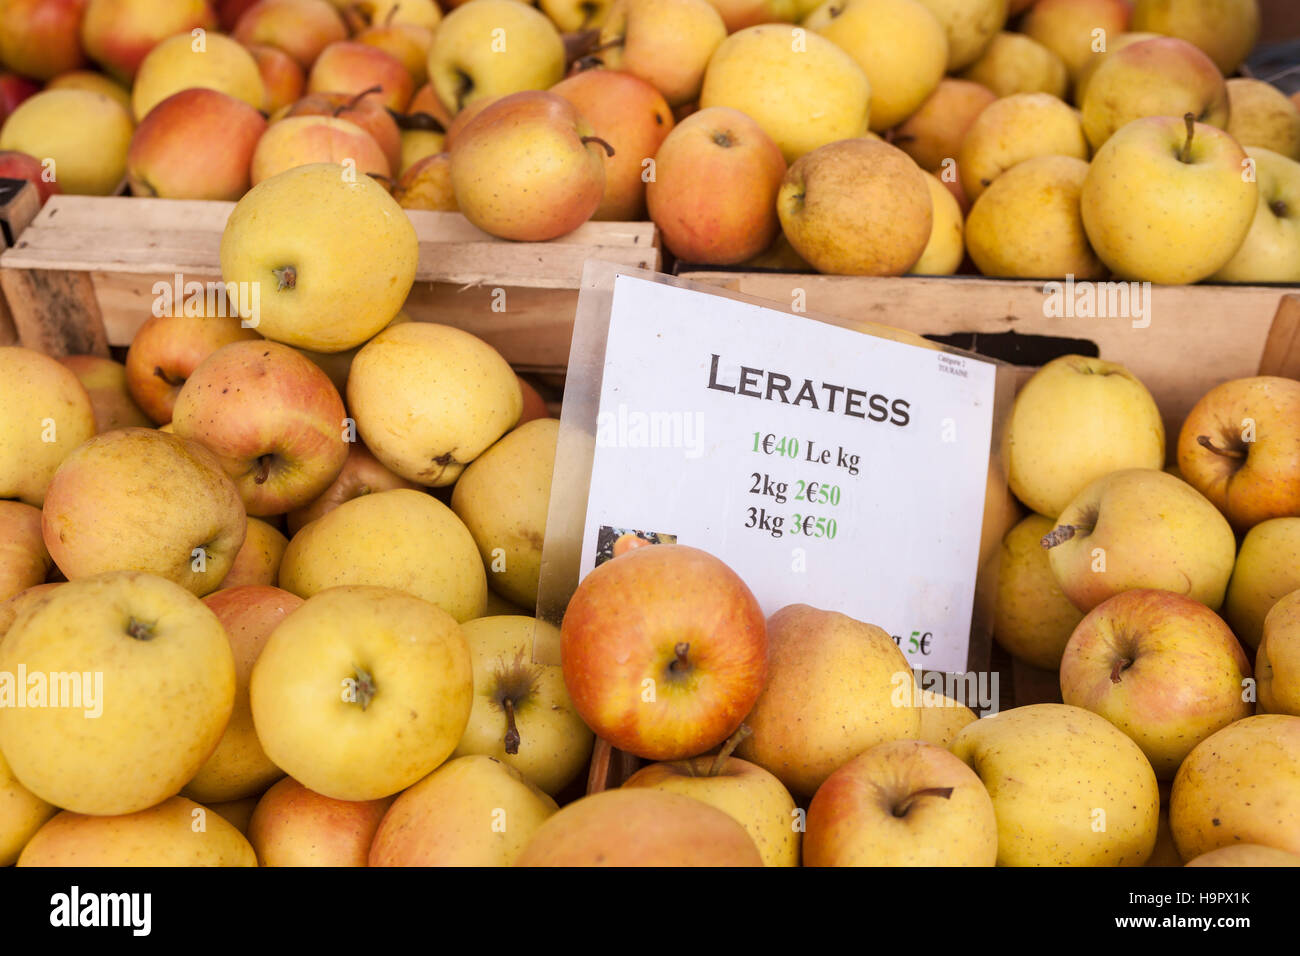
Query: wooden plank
x=20 y=203
x=1033 y=685
x=1282 y=349
x=55 y=312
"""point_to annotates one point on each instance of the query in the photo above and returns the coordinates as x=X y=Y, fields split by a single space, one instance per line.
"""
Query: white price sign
x=825 y=466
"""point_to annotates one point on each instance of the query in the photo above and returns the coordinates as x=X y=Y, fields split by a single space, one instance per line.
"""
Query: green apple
x=1032 y=617
x=1267 y=569
x=1141 y=528
x=1166 y=200
x=1271 y=249
x=490 y=48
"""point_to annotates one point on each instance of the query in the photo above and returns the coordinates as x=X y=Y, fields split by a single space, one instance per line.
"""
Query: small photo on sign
x=611 y=542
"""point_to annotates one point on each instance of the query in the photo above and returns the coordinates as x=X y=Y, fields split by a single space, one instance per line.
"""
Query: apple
x=301 y=28
x=426 y=184
x=322 y=289
x=182 y=62
x=528 y=167
x=365 y=109
x=282 y=77
x=667 y=43
x=41 y=38
x=1158 y=77
x=401 y=539
x=743 y=790
x=14 y=89
x=40 y=399
x=944 y=252
x=1032 y=617
x=935 y=131
x=10 y=609
x=362 y=691
x=24 y=561
x=1240 y=447
x=1068 y=28
x=1014 y=63
x=348 y=67
x=95 y=83
x=175 y=833
x=1262 y=115
x=407 y=391
x=105 y=383
x=1246 y=854
x=22 y=813
x=773 y=72
x=258 y=558
x=714 y=191
x=464 y=118
x=236 y=812
x=16 y=165
x=1106 y=816
x=418 y=144
x=534 y=405
x=856 y=207
x=1241 y=785
x=1267 y=569
x=1225 y=29
x=640 y=827
x=942 y=718
x=832 y=692
x=118 y=34
x=142 y=500
x=1166 y=200
x=362 y=474
x=426 y=101
x=1141 y=528
x=405 y=42
x=300 y=141
x=239 y=768
x=1161 y=667
x=196 y=144
x=229 y=11
x=165 y=352
x=902 y=803
x=169 y=679
x=293 y=826
x=642 y=618
x=1277 y=663
x=1271 y=249
x=1013 y=129
x=971 y=26
x=1113 y=44
x=1028 y=224
x=273 y=418
x=576 y=16
x=365 y=13
x=631 y=115
x=471 y=811
x=82 y=137
x=469 y=60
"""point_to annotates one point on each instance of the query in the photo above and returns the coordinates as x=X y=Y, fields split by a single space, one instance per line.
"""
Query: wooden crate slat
x=55 y=312
x=22 y=204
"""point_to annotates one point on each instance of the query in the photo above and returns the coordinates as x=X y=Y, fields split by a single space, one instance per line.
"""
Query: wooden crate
x=81 y=276
x=19 y=205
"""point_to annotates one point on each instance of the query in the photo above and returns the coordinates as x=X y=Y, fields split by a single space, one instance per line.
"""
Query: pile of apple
x=1019 y=138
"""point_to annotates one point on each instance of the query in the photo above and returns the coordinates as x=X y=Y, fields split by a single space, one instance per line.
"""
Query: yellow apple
x=1271 y=249
x=1032 y=617
x=1113 y=44
x=1224 y=29
x=105 y=383
x=258 y=558
x=1013 y=129
x=1014 y=63
x=22 y=813
x=942 y=718
x=667 y=43
x=945 y=251
x=1262 y=115
x=1267 y=569
x=81 y=137
x=183 y=62
x=970 y=24
x=24 y=560
x=117 y=34
x=773 y=72
x=294 y=826
x=362 y=691
x=1074 y=29
x=490 y=48
x=95 y=82
x=1277 y=664
x=1246 y=854
x=1106 y=816
x=144 y=681
x=400 y=539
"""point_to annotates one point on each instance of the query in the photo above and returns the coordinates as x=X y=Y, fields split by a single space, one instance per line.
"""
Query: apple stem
x=388 y=20
x=1120 y=666
x=902 y=809
x=172 y=380
x=680 y=664
x=139 y=630
x=1062 y=534
x=728 y=748
x=609 y=150
x=1185 y=154
x=512 y=732
x=263 y=470
x=286 y=277
x=352 y=103
x=1206 y=442
x=365 y=688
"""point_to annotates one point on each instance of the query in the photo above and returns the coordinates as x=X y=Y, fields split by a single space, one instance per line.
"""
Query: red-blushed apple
x=105 y=383
x=713 y=195
x=306 y=140
x=640 y=827
x=462 y=119
x=664 y=651
x=407 y=43
x=167 y=349
x=902 y=803
x=1240 y=447
x=1161 y=667
x=41 y=38
x=196 y=144
x=118 y=34
x=239 y=768
x=24 y=562
x=426 y=184
x=935 y=131
x=13 y=90
x=229 y=11
x=16 y=165
x=633 y=117
x=258 y=559
x=365 y=109
x=294 y=826
x=301 y=28
x=348 y=67
x=274 y=419
x=283 y=78
x=528 y=167
x=362 y=474
x=534 y=404
x=426 y=101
